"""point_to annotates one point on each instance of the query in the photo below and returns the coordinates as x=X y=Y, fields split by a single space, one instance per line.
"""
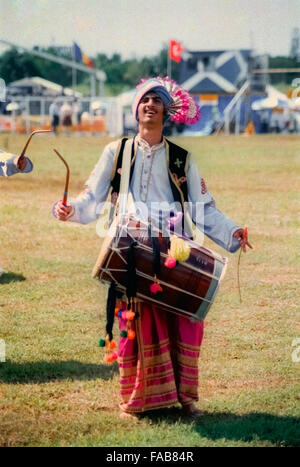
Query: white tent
x=125 y=99
x=274 y=99
x=118 y=112
x=123 y=114
x=296 y=103
x=12 y=106
x=41 y=86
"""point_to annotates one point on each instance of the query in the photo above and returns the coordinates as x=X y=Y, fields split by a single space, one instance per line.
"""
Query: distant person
x=297 y=123
x=265 y=121
x=54 y=114
x=65 y=116
x=76 y=112
x=274 y=123
x=292 y=124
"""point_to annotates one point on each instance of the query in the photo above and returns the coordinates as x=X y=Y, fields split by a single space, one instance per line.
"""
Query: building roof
x=214 y=71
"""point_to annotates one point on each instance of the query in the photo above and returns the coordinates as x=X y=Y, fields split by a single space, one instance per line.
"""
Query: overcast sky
x=142 y=27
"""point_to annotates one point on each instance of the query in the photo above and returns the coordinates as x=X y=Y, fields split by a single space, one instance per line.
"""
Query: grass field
x=54 y=388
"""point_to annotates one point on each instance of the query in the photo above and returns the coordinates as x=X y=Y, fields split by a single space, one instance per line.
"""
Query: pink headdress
x=181 y=106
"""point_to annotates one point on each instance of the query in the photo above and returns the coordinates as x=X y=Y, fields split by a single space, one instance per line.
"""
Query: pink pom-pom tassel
x=154 y=288
x=170 y=262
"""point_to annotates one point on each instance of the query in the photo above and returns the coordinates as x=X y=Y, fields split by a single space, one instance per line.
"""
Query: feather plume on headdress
x=182 y=106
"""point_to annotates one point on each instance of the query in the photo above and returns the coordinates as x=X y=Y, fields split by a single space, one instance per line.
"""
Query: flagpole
x=169 y=64
x=74 y=73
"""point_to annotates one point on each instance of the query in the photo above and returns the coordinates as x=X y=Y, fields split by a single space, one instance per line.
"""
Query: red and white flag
x=175 y=49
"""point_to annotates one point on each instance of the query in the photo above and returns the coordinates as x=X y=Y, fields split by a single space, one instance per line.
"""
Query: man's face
x=151 y=110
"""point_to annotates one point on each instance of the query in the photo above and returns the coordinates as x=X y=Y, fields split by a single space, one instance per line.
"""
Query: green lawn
x=54 y=388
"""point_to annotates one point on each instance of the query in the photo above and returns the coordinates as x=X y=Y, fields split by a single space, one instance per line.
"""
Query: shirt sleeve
x=88 y=204
x=29 y=166
x=8 y=166
x=205 y=214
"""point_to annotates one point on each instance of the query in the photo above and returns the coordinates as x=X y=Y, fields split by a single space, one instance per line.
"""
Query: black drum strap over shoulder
x=177 y=163
x=116 y=177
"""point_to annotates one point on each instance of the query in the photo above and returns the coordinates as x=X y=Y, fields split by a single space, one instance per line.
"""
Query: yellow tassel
x=179 y=249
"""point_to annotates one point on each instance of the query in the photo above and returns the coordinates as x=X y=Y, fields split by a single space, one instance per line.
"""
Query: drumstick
x=245 y=233
x=28 y=141
x=65 y=197
x=245 y=236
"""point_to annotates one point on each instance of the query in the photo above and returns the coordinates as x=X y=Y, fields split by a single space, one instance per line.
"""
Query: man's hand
x=21 y=163
x=242 y=236
x=62 y=212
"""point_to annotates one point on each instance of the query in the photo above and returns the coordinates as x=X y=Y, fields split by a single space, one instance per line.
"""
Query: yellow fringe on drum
x=179 y=249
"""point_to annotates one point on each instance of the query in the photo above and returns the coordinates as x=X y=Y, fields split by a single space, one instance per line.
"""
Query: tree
x=121 y=74
x=15 y=65
x=55 y=72
x=283 y=62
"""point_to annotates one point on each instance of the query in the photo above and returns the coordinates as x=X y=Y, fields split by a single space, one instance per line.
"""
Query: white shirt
x=53 y=109
x=150 y=184
x=8 y=166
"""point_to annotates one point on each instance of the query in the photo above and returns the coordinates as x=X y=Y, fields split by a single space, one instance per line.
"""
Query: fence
x=97 y=116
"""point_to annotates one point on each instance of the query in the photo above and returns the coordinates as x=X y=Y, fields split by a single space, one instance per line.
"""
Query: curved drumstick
x=22 y=155
x=65 y=197
x=245 y=239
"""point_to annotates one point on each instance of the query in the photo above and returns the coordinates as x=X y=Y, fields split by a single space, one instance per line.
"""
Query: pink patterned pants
x=159 y=368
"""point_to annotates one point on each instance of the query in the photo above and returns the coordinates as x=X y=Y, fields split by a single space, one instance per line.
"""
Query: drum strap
x=156 y=252
x=131 y=288
x=125 y=174
x=110 y=309
x=127 y=145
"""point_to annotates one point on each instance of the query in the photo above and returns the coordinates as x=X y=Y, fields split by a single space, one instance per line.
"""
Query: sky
x=137 y=28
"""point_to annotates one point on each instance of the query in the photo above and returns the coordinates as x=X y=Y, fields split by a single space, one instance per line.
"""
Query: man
x=11 y=165
x=76 y=112
x=65 y=115
x=54 y=114
x=160 y=367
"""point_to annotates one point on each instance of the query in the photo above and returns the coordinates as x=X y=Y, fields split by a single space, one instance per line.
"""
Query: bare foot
x=192 y=411
x=129 y=416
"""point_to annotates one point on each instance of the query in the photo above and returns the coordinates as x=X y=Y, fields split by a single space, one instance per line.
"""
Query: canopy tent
x=125 y=99
x=39 y=86
x=274 y=99
x=296 y=103
x=12 y=106
x=125 y=120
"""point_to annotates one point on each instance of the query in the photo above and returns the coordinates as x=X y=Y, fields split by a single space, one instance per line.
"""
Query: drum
x=188 y=289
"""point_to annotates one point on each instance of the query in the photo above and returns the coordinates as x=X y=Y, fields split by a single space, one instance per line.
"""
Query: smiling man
x=150 y=111
x=160 y=367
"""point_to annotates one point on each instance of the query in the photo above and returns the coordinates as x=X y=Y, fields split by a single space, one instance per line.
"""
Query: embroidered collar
x=145 y=145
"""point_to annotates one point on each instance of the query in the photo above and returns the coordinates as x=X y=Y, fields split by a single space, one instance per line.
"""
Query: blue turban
x=151 y=85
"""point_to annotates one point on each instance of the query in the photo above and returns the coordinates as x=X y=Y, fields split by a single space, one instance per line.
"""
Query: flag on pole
x=79 y=56
x=175 y=49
